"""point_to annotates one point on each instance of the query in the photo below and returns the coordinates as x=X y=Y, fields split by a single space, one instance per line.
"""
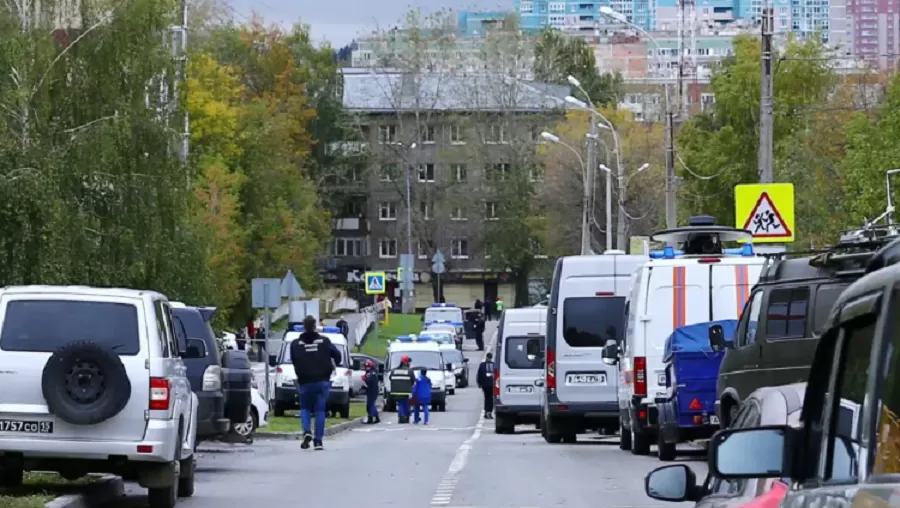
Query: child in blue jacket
x=422 y=394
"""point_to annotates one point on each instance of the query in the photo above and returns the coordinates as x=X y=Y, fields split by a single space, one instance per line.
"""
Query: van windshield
x=430 y=360
x=591 y=321
x=47 y=325
x=517 y=353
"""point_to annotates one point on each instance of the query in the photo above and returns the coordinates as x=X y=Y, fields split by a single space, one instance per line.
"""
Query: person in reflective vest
x=402 y=380
x=371 y=380
x=485 y=380
x=499 y=307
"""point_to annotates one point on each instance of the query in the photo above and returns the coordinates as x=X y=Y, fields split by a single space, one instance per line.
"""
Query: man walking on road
x=485 y=380
x=314 y=358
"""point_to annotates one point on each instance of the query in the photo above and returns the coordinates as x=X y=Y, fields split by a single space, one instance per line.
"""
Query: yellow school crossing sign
x=766 y=210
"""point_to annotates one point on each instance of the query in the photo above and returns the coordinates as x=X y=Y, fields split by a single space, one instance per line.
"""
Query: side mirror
x=717 y=340
x=750 y=453
x=450 y=366
x=610 y=353
x=671 y=483
x=465 y=360
x=194 y=348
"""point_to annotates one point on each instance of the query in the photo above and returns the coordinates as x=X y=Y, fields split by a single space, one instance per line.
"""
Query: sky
x=340 y=21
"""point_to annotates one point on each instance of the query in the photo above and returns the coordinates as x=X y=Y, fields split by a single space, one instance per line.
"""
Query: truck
x=687 y=411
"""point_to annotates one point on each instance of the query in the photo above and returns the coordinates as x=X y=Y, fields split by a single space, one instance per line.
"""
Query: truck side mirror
x=610 y=353
x=717 y=340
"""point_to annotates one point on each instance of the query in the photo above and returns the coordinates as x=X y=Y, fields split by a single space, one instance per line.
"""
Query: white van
x=674 y=289
x=586 y=309
x=446 y=313
x=519 y=383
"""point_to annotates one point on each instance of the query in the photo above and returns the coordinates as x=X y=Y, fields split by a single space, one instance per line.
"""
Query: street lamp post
x=586 y=211
x=671 y=207
x=407 y=298
x=622 y=186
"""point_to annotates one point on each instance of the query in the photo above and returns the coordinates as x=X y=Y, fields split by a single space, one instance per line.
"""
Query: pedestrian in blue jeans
x=422 y=396
x=314 y=358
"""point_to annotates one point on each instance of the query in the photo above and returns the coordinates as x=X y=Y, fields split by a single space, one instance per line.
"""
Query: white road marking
x=444 y=493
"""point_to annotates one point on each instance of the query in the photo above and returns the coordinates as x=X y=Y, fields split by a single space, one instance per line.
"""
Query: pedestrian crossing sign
x=766 y=210
x=374 y=283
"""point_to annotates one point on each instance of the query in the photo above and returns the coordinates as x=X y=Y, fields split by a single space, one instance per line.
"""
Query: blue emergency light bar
x=405 y=338
x=331 y=329
x=443 y=305
x=327 y=329
x=670 y=253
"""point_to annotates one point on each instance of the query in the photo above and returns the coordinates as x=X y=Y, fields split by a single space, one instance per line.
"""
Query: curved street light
x=586 y=212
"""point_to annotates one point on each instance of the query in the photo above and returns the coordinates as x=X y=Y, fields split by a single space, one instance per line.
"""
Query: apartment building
x=444 y=143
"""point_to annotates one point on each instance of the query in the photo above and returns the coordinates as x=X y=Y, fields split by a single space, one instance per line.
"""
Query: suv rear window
x=517 y=353
x=591 y=321
x=46 y=325
x=191 y=323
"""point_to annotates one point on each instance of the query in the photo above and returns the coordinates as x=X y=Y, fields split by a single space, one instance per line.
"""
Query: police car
x=453 y=357
x=422 y=353
x=445 y=313
x=341 y=379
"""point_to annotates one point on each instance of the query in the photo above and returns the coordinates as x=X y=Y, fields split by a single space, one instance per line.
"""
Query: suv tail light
x=551 y=369
x=347 y=372
x=212 y=378
x=640 y=376
x=159 y=394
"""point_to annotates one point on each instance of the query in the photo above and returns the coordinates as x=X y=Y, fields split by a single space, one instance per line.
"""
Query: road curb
x=295 y=436
x=102 y=491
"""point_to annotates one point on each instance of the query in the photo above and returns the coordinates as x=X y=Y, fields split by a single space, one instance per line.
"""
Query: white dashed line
x=444 y=493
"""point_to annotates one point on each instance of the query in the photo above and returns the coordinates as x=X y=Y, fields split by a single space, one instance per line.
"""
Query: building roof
x=379 y=91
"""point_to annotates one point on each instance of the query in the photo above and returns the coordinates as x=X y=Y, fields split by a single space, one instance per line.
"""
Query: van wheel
x=666 y=450
x=345 y=411
x=186 y=480
x=550 y=434
x=279 y=409
x=390 y=406
x=442 y=407
x=624 y=437
x=640 y=443
x=11 y=475
x=570 y=438
x=504 y=425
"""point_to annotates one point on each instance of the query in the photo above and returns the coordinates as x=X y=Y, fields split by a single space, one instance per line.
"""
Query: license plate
x=26 y=427
x=713 y=419
x=520 y=389
x=586 y=379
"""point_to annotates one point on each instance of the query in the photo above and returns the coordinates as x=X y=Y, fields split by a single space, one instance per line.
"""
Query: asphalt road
x=457 y=461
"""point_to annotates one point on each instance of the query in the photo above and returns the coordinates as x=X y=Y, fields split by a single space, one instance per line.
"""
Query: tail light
x=497 y=384
x=347 y=373
x=640 y=376
x=212 y=379
x=551 y=369
x=159 y=394
x=279 y=370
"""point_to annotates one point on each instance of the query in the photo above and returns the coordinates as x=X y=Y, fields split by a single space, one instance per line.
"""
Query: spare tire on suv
x=237 y=377
x=85 y=383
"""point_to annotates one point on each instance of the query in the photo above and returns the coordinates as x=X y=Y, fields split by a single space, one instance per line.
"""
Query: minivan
x=587 y=308
x=519 y=355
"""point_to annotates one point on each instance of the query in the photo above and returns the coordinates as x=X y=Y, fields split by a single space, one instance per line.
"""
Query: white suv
x=93 y=382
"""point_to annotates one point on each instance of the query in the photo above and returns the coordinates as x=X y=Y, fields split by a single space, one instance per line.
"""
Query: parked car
x=780 y=405
x=257 y=418
x=133 y=413
x=221 y=379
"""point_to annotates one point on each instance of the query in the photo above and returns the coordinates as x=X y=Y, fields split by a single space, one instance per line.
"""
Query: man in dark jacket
x=485 y=380
x=345 y=328
x=371 y=380
x=479 y=333
x=314 y=358
x=402 y=380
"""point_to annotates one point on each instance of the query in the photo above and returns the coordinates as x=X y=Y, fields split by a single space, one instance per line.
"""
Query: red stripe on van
x=741 y=287
x=679 y=309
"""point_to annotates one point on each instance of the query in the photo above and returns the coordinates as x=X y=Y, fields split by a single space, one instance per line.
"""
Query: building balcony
x=351 y=226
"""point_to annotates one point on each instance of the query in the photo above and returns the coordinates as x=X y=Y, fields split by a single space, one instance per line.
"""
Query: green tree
x=556 y=57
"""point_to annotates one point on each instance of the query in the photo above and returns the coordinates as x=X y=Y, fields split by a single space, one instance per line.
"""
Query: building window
x=422 y=249
x=459 y=248
x=497 y=134
x=456 y=135
x=536 y=174
x=497 y=172
x=387 y=134
x=387 y=248
x=425 y=208
x=490 y=210
x=459 y=213
x=387 y=173
x=347 y=247
x=387 y=210
x=426 y=134
x=459 y=172
x=426 y=172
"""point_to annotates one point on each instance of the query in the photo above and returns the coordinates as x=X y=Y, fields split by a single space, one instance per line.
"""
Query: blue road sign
x=375 y=283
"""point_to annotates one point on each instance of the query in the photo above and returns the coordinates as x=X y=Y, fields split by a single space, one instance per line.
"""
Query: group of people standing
x=491 y=308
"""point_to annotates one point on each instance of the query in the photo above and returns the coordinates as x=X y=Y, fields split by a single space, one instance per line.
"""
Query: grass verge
x=38 y=489
x=291 y=423
x=398 y=324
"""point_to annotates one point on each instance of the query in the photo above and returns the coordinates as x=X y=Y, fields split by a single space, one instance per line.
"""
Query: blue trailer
x=687 y=412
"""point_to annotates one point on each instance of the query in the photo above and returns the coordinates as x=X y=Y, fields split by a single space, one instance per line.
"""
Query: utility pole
x=589 y=190
x=671 y=210
x=766 y=107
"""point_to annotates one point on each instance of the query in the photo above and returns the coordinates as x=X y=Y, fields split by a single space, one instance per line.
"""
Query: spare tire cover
x=85 y=383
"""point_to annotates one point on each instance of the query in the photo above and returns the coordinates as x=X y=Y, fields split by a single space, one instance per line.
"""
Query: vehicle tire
x=246 y=429
x=186 y=479
x=570 y=438
x=504 y=425
x=666 y=450
x=85 y=383
x=164 y=497
x=640 y=443
x=453 y=391
x=279 y=409
x=11 y=476
x=345 y=411
x=624 y=437
x=551 y=435
x=442 y=408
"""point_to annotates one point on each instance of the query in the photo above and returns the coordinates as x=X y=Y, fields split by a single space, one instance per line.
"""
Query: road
x=457 y=461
